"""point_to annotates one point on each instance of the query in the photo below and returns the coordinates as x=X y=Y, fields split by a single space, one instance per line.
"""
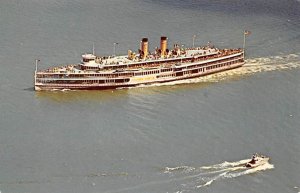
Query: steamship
x=141 y=68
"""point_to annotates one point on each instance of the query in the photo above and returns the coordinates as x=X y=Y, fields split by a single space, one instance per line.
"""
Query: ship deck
x=142 y=65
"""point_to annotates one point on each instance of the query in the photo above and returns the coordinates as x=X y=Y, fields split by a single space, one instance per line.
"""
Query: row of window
x=219 y=61
x=84 y=82
x=149 y=63
x=194 y=71
x=143 y=73
x=89 y=68
x=146 y=73
x=139 y=73
x=166 y=69
x=165 y=76
x=222 y=65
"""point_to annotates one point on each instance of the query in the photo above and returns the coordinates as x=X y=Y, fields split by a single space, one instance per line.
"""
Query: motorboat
x=257 y=160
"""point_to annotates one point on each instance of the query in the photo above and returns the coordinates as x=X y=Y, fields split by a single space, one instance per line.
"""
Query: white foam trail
x=263 y=167
x=204 y=176
x=206 y=184
x=184 y=168
x=212 y=180
x=226 y=164
x=213 y=169
x=243 y=169
x=252 y=66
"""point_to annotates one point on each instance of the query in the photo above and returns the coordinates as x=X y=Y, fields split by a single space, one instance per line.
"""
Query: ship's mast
x=194 y=37
x=36 y=64
x=244 y=44
x=115 y=44
x=93 y=48
x=246 y=33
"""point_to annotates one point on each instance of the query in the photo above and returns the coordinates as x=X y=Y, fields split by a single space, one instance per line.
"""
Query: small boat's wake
x=191 y=178
x=226 y=165
x=234 y=172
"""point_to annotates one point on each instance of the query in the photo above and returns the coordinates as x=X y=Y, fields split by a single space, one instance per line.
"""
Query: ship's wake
x=252 y=66
x=191 y=179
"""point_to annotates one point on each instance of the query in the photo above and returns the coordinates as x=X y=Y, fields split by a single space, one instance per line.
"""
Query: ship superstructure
x=163 y=65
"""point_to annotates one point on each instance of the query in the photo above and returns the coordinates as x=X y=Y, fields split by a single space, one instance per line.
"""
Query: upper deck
x=160 y=58
x=176 y=62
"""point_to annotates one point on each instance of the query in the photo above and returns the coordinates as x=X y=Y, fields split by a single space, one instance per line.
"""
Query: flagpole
x=244 y=44
x=36 y=64
x=36 y=68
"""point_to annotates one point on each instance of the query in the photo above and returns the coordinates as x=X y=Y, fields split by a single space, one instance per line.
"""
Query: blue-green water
x=123 y=140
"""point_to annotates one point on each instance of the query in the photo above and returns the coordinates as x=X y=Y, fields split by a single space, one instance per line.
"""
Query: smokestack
x=144 y=48
x=163 y=46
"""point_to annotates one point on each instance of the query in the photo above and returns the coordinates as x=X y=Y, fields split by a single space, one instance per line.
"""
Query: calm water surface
x=149 y=139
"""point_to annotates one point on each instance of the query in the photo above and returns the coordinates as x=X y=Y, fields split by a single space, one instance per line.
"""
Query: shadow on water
x=31 y=89
x=80 y=95
x=110 y=95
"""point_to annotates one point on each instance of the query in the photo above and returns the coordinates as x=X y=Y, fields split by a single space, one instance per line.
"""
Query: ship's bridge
x=88 y=57
x=90 y=62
